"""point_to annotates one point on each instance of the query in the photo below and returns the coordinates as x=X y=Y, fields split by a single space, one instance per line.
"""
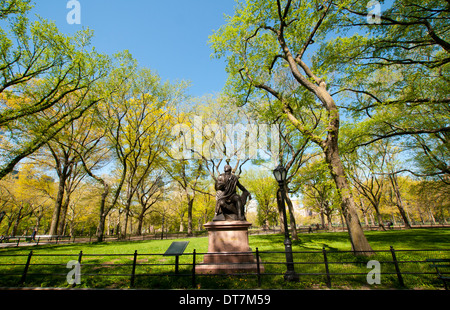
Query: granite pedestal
x=228 y=249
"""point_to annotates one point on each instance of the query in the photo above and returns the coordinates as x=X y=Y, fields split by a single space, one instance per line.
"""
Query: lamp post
x=290 y=275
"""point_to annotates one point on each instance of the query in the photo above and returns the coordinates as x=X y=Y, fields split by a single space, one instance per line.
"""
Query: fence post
x=397 y=269
x=133 y=271
x=18 y=241
x=325 y=260
x=25 y=271
x=193 y=269
x=258 y=268
x=79 y=261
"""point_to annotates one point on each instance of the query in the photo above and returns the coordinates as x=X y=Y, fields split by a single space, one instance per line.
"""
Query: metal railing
x=49 y=239
x=316 y=269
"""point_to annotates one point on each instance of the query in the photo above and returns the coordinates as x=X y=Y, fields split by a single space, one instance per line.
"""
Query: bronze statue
x=230 y=205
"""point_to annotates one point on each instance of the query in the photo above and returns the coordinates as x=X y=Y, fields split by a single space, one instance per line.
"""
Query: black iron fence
x=316 y=269
x=324 y=268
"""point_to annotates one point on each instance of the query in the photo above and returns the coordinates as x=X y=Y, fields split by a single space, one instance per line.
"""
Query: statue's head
x=227 y=168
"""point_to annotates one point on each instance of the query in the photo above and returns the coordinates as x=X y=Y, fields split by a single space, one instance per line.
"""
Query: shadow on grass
x=418 y=238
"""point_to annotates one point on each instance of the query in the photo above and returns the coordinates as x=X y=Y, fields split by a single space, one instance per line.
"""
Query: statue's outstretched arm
x=243 y=189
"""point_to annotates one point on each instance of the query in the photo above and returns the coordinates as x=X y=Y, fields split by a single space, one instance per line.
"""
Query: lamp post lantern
x=280 y=174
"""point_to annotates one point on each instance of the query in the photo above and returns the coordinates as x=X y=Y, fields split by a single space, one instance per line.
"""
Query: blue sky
x=167 y=36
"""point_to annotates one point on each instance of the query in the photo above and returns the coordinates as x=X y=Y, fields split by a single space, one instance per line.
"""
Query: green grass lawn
x=310 y=260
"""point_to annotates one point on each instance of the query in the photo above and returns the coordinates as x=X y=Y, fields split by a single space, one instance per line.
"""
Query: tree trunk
x=379 y=217
x=280 y=211
x=329 y=220
x=103 y=213
x=399 y=203
x=364 y=212
x=357 y=238
x=322 y=215
x=190 y=206
x=342 y=220
x=394 y=222
x=181 y=225
x=17 y=221
x=39 y=216
x=181 y=221
x=8 y=227
x=101 y=227
x=431 y=216
x=140 y=222
x=62 y=216
x=123 y=234
x=291 y=215
x=359 y=242
x=58 y=204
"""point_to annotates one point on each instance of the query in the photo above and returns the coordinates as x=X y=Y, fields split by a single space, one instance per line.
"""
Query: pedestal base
x=228 y=249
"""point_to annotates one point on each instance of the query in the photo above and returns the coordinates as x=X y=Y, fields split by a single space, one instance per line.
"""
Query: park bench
x=440 y=264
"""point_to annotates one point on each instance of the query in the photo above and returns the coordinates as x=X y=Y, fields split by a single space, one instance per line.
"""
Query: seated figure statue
x=230 y=205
